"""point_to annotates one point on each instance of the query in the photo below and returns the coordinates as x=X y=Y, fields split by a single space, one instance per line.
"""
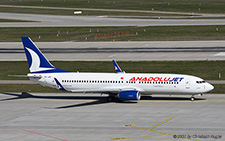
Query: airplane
x=120 y=85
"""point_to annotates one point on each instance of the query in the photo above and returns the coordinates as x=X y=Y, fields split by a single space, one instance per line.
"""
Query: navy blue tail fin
x=37 y=62
x=117 y=68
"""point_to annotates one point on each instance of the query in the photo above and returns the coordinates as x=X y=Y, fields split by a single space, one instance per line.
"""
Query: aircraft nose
x=209 y=87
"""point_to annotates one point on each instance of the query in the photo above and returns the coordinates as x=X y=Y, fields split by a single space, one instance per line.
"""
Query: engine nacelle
x=129 y=95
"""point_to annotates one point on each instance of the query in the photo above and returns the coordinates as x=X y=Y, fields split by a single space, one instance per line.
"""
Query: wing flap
x=106 y=90
x=102 y=90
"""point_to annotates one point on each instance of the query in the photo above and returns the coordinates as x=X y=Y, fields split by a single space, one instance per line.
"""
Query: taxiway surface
x=69 y=117
x=122 y=51
x=92 y=21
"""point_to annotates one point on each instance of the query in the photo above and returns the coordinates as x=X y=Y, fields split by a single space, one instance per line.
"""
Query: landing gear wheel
x=192 y=98
x=112 y=98
x=109 y=99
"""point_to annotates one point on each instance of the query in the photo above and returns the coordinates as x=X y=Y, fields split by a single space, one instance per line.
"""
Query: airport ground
x=69 y=117
x=120 y=33
x=145 y=6
x=96 y=21
x=208 y=70
x=19 y=86
x=121 y=51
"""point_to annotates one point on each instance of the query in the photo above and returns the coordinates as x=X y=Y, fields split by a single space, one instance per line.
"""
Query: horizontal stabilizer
x=17 y=75
x=24 y=76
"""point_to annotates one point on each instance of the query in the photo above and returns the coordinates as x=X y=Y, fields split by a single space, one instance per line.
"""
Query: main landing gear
x=112 y=98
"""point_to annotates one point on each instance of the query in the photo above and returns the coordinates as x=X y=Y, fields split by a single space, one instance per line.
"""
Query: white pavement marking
x=219 y=54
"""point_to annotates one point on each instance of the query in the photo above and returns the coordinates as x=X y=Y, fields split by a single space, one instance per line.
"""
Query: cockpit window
x=200 y=82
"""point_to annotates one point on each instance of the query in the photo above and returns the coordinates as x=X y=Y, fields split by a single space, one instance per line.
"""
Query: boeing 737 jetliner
x=121 y=85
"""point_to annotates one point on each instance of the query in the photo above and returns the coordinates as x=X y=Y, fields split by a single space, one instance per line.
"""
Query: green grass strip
x=206 y=6
x=208 y=70
x=70 y=12
x=9 y=20
x=151 y=33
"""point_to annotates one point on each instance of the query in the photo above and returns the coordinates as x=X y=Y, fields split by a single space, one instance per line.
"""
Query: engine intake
x=129 y=95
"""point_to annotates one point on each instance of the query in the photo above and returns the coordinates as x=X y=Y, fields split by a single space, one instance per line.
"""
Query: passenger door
x=187 y=84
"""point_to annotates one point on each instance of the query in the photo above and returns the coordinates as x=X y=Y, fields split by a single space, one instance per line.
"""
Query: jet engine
x=129 y=95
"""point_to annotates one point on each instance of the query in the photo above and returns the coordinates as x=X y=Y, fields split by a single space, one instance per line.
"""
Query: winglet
x=117 y=68
x=59 y=85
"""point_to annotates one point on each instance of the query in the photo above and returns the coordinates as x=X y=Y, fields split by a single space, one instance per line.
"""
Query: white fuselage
x=112 y=83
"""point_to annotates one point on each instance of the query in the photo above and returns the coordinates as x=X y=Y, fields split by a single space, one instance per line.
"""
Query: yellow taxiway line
x=150 y=129
x=160 y=123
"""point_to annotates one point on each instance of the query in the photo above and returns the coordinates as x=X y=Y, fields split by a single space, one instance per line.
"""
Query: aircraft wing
x=100 y=90
x=107 y=90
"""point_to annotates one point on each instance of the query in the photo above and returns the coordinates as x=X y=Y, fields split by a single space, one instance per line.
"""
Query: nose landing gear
x=193 y=96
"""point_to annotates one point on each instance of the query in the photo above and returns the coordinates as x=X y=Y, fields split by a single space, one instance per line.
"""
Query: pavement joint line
x=53 y=99
x=121 y=138
x=140 y=100
x=187 y=22
x=43 y=135
x=212 y=101
x=166 y=100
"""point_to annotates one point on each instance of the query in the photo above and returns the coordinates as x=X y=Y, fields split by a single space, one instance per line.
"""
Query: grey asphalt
x=121 y=51
x=69 y=117
x=91 y=21
x=79 y=21
x=196 y=15
x=118 y=50
x=117 y=10
x=183 y=56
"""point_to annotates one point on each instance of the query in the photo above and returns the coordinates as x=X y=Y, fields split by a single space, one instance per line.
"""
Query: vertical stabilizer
x=37 y=62
x=117 y=68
